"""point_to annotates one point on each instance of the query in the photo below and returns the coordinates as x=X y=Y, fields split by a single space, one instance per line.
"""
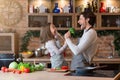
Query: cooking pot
x=81 y=71
x=39 y=52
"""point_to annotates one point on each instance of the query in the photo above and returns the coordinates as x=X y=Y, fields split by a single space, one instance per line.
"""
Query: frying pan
x=80 y=71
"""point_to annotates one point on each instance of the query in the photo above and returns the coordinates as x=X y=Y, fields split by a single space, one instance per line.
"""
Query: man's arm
x=86 y=40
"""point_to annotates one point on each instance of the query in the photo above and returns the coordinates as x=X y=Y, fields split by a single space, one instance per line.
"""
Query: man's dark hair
x=91 y=16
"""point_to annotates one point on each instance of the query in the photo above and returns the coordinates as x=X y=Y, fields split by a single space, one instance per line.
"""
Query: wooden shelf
x=99 y=16
x=40 y=14
x=108 y=13
x=35 y=28
x=62 y=14
x=62 y=28
x=110 y=28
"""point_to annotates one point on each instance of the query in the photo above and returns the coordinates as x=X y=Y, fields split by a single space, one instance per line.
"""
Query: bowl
x=27 y=55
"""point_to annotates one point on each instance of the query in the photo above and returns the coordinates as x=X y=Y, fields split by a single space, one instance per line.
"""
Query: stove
x=96 y=73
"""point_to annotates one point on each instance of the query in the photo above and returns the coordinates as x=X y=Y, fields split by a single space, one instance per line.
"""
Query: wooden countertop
x=42 y=59
x=44 y=75
x=115 y=60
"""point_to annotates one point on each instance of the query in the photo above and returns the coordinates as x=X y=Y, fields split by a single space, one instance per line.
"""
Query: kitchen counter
x=43 y=58
x=44 y=75
x=115 y=60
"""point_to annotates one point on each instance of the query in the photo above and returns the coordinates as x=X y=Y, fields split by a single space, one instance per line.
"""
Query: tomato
x=19 y=72
x=6 y=70
x=13 y=71
x=64 y=67
x=27 y=70
x=3 y=68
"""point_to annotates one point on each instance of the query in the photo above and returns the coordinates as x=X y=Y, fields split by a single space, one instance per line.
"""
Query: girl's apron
x=57 y=61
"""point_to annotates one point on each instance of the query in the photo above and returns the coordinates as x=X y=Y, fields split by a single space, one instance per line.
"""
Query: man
x=86 y=48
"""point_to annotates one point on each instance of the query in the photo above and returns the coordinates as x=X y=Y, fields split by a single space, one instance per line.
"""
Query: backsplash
x=105 y=46
x=105 y=42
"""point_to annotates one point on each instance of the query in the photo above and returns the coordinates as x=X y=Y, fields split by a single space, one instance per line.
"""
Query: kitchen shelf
x=108 y=28
x=77 y=7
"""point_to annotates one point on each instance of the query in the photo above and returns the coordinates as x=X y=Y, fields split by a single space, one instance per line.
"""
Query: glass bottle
x=94 y=5
x=56 y=9
x=31 y=9
x=88 y=8
x=71 y=6
x=118 y=22
x=20 y=58
x=111 y=55
x=96 y=8
x=108 y=23
x=15 y=57
x=68 y=22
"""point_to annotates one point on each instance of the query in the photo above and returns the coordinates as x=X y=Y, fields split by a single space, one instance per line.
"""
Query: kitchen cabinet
x=109 y=19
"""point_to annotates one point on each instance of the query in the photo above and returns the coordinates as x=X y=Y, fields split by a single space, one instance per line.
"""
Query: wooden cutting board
x=53 y=70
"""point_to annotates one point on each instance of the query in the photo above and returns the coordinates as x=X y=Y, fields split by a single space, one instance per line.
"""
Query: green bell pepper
x=72 y=31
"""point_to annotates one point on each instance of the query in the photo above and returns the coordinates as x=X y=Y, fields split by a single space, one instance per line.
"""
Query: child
x=47 y=36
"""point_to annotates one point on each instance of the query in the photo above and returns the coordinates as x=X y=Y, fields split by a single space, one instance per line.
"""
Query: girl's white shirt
x=54 y=48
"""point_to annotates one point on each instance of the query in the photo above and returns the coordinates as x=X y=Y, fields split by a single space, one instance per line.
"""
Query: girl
x=47 y=36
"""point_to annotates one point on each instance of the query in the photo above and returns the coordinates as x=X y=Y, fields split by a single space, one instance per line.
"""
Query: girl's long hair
x=45 y=33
